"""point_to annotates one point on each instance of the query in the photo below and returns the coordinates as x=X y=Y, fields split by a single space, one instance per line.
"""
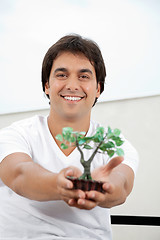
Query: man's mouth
x=72 y=98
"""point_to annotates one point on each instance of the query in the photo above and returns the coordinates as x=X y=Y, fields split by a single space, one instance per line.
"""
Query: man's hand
x=118 y=180
x=118 y=184
x=65 y=186
x=102 y=173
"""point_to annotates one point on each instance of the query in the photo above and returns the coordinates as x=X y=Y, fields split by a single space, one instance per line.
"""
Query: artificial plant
x=105 y=142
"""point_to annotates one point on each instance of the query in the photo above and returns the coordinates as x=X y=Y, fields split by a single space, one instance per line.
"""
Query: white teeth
x=72 y=98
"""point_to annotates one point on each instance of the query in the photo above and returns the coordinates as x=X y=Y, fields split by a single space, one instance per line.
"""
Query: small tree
x=105 y=142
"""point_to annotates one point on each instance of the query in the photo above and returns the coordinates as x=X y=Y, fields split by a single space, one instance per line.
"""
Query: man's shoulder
x=32 y=121
x=27 y=125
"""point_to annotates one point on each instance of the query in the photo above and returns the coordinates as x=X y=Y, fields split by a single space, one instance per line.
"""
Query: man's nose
x=72 y=83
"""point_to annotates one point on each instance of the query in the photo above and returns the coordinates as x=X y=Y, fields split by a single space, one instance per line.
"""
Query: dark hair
x=75 y=43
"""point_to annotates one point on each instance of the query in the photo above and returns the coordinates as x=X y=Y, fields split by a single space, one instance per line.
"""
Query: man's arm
x=118 y=184
x=32 y=181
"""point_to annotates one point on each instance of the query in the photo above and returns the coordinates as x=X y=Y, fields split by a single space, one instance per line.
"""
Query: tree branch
x=95 y=151
x=82 y=155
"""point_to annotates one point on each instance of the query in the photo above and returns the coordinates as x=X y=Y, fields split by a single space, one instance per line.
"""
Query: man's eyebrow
x=61 y=69
x=85 y=70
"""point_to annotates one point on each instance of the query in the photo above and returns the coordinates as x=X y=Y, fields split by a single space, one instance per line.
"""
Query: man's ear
x=47 y=87
x=98 y=90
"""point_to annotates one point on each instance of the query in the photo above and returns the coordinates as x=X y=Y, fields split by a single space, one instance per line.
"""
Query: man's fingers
x=108 y=188
x=72 y=172
x=95 y=196
x=62 y=181
x=85 y=204
x=113 y=163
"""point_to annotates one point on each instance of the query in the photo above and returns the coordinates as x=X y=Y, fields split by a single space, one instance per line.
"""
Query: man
x=37 y=200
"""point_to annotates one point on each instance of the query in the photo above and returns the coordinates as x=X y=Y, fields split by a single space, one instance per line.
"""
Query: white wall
x=127 y=32
x=139 y=120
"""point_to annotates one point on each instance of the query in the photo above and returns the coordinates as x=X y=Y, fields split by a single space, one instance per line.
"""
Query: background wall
x=127 y=32
x=139 y=120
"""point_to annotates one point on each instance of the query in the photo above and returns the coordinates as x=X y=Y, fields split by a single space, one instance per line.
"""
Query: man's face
x=72 y=86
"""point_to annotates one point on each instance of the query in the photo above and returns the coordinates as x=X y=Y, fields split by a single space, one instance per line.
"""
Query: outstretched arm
x=32 y=181
x=119 y=180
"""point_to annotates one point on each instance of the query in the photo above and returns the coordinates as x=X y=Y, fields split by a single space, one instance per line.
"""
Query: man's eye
x=61 y=75
x=84 y=76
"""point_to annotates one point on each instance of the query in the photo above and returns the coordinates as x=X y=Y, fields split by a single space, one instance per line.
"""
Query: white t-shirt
x=22 y=218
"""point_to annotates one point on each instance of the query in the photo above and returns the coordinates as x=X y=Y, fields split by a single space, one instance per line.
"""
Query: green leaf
x=64 y=146
x=72 y=139
x=109 y=130
x=67 y=133
x=82 y=133
x=107 y=145
x=81 y=141
x=59 y=137
x=110 y=153
x=110 y=135
x=119 y=142
x=115 y=138
x=86 y=146
x=84 y=140
x=67 y=130
x=120 y=152
x=116 y=132
x=102 y=148
x=89 y=138
x=100 y=130
x=96 y=139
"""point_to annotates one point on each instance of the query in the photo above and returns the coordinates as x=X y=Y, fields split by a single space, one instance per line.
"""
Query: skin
x=72 y=75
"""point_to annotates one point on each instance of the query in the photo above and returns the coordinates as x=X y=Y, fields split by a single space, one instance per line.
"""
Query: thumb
x=114 y=162
x=108 y=187
x=72 y=171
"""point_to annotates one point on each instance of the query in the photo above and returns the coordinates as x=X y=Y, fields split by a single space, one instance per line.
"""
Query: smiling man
x=72 y=86
x=72 y=89
x=37 y=200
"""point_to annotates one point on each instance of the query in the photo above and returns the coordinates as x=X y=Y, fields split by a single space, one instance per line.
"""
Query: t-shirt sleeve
x=131 y=157
x=13 y=139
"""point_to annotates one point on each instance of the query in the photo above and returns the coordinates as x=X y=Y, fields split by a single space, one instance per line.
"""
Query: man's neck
x=56 y=124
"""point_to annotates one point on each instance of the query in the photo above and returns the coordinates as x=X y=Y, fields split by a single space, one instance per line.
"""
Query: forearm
x=120 y=184
x=116 y=190
x=34 y=182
